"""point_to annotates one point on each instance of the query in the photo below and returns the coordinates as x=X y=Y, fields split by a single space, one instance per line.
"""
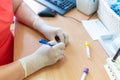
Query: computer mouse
x=47 y=13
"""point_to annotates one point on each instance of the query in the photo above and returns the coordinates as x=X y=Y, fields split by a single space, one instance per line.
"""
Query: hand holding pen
x=43 y=41
x=43 y=56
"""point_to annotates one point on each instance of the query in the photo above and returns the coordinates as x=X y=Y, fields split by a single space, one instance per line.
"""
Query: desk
x=71 y=67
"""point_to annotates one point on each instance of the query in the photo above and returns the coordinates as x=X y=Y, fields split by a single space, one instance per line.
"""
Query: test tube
x=85 y=72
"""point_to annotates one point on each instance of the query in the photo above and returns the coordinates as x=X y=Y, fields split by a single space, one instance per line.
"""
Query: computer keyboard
x=60 y=6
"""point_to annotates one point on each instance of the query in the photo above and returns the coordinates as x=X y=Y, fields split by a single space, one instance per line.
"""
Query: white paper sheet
x=95 y=28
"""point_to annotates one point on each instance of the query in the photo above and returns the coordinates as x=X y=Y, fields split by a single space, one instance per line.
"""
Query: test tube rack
x=112 y=71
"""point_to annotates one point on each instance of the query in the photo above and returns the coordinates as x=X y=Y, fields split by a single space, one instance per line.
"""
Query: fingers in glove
x=65 y=38
x=59 y=45
x=53 y=42
x=61 y=36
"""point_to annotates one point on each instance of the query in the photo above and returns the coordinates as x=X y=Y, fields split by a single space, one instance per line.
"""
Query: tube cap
x=86 y=70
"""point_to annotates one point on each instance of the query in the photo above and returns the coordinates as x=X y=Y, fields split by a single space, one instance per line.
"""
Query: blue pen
x=43 y=41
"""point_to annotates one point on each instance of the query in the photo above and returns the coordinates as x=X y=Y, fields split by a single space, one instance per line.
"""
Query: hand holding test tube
x=87 y=44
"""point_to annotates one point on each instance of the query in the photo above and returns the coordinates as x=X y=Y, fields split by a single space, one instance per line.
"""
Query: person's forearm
x=26 y=15
x=12 y=71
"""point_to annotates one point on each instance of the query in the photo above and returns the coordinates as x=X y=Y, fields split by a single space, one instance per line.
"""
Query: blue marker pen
x=43 y=41
x=85 y=72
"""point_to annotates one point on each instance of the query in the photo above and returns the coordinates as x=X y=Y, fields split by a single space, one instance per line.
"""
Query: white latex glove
x=44 y=56
x=50 y=32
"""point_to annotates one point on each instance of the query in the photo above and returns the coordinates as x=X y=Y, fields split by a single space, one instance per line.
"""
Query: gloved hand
x=50 y=32
x=44 y=56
